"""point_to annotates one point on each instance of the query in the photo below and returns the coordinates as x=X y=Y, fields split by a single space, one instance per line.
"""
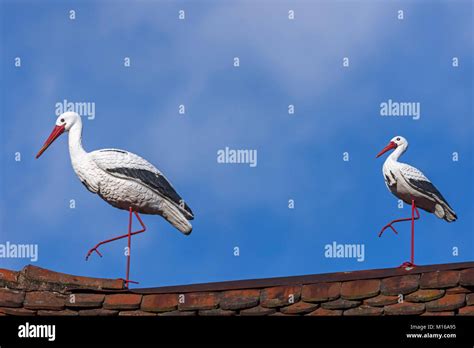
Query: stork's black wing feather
x=427 y=187
x=419 y=182
x=153 y=180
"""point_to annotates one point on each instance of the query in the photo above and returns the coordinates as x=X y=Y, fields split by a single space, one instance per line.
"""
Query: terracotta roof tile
x=340 y=304
x=122 y=301
x=87 y=300
x=299 y=308
x=468 y=311
x=240 y=299
x=44 y=300
x=216 y=312
x=424 y=290
x=364 y=310
x=446 y=303
x=467 y=277
x=159 y=302
x=405 y=308
x=360 y=289
x=99 y=312
x=199 y=300
x=280 y=296
x=321 y=292
x=325 y=312
x=381 y=300
x=259 y=310
x=424 y=295
x=439 y=280
x=11 y=298
x=400 y=285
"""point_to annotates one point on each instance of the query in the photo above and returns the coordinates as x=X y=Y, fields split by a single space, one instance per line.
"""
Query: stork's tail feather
x=450 y=215
x=444 y=211
x=175 y=217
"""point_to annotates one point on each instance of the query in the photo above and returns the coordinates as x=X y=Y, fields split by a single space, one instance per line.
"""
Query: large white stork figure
x=413 y=187
x=124 y=180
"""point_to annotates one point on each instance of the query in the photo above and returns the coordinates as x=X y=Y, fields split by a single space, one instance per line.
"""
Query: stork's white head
x=64 y=123
x=68 y=119
x=396 y=142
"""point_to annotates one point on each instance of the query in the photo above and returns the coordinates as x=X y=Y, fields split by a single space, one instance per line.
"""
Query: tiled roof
x=426 y=290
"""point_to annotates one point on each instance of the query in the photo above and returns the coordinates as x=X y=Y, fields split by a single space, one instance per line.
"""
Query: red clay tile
x=364 y=310
x=216 y=313
x=44 y=300
x=259 y=310
x=438 y=314
x=98 y=312
x=178 y=314
x=405 y=308
x=239 y=299
x=84 y=300
x=159 y=302
x=11 y=298
x=340 y=304
x=299 y=308
x=381 y=300
x=280 y=314
x=325 y=312
x=62 y=313
x=468 y=310
x=320 y=292
x=17 y=311
x=446 y=303
x=199 y=300
x=467 y=277
x=122 y=301
x=424 y=295
x=280 y=296
x=360 y=289
x=439 y=280
x=458 y=290
x=136 y=313
x=400 y=284
x=44 y=275
x=8 y=276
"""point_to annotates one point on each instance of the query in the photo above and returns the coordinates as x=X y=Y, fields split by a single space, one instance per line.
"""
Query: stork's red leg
x=128 y=235
x=94 y=249
x=414 y=210
x=389 y=225
x=127 y=280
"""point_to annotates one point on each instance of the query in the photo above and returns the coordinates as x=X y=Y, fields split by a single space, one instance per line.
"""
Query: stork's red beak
x=390 y=146
x=57 y=131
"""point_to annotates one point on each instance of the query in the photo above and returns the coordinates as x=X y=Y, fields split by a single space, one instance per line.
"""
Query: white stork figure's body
x=123 y=179
x=413 y=187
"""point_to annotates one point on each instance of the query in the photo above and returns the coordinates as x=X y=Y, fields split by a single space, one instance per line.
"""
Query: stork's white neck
x=81 y=162
x=395 y=155
x=75 y=141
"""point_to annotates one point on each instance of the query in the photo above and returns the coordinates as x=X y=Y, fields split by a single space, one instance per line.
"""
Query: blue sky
x=300 y=156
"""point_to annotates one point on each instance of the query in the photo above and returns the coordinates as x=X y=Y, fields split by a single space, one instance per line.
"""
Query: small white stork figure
x=413 y=187
x=124 y=180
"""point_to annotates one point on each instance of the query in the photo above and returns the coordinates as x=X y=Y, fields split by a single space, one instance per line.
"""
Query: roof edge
x=303 y=279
